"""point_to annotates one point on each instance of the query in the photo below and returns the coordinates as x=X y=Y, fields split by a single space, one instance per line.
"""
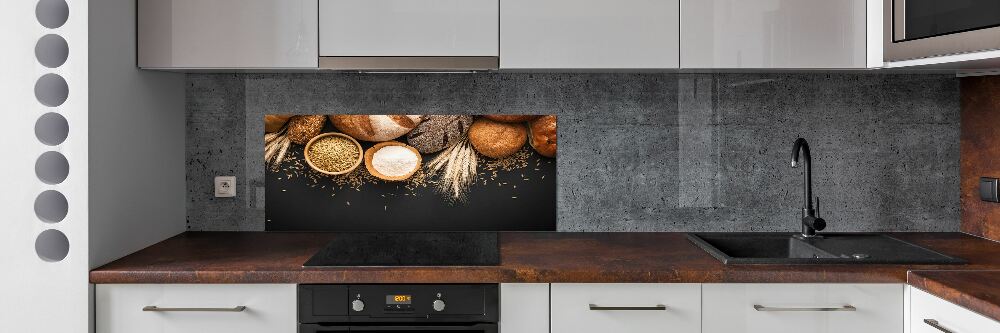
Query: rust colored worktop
x=978 y=291
x=277 y=257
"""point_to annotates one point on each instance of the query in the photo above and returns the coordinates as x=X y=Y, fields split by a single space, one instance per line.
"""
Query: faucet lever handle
x=817 y=206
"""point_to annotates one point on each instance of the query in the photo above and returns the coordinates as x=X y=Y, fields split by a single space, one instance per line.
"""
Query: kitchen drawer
x=802 y=308
x=950 y=318
x=632 y=307
x=270 y=308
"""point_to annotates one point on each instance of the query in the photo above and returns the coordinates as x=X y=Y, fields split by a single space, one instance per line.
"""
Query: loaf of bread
x=375 y=128
x=301 y=129
x=543 y=135
x=516 y=118
x=496 y=139
x=437 y=132
x=274 y=122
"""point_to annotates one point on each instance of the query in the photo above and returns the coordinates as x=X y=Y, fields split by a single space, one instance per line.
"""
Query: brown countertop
x=277 y=257
x=978 y=291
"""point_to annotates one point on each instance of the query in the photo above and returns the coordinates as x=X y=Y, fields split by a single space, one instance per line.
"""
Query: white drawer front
x=270 y=308
x=948 y=316
x=730 y=308
x=571 y=311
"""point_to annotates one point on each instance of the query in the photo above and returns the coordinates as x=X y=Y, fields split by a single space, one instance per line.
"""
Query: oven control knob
x=358 y=305
x=438 y=305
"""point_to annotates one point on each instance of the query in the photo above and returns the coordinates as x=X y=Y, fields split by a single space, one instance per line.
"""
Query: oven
x=378 y=308
x=915 y=29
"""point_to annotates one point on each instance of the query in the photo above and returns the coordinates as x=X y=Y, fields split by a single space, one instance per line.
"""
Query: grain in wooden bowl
x=370 y=157
x=333 y=154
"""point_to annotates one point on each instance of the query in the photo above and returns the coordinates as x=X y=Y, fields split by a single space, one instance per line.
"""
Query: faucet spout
x=810 y=222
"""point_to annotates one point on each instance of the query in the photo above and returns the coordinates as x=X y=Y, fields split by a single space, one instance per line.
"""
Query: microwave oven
x=915 y=29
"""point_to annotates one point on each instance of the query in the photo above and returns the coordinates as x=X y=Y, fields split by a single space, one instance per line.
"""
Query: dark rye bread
x=437 y=132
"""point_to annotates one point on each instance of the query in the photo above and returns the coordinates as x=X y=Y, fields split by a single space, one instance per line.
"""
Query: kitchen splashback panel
x=638 y=152
x=410 y=173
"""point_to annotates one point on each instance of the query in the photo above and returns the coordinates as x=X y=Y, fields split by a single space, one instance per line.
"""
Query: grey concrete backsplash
x=637 y=152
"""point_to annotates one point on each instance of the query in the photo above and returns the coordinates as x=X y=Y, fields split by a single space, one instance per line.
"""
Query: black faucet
x=810 y=221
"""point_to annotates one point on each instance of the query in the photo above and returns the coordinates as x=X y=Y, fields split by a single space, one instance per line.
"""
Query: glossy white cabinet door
x=227 y=34
x=524 y=307
x=729 y=308
x=571 y=311
x=270 y=308
x=773 y=34
x=951 y=317
x=427 y=28
x=581 y=34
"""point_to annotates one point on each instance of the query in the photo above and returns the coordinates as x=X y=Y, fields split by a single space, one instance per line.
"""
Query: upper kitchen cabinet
x=589 y=34
x=801 y=34
x=409 y=34
x=219 y=34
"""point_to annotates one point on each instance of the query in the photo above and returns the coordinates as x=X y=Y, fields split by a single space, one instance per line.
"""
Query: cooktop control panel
x=361 y=303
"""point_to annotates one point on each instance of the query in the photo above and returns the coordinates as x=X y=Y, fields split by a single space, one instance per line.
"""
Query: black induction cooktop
x=409 y=249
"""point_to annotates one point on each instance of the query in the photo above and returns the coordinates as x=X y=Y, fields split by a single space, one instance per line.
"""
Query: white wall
x=137 y=186
x=38 y=295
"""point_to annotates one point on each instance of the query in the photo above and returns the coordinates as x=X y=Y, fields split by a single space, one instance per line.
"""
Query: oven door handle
x=485 y=328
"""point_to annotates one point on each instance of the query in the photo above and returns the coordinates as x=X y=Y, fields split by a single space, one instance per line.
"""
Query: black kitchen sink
x=831 y=248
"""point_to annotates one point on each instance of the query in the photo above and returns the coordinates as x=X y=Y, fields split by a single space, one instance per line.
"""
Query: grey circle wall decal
x=51 y=51
x=52 y=245
x=51 y=90
x=51 y=206
x=52 y=13
x=51 y=129
x=52 y=167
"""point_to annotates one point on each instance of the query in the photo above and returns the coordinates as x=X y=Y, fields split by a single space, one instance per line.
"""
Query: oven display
x=398 y=299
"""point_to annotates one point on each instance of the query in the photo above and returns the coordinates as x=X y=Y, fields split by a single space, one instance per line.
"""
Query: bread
x=515 y=118
x=496 y=139
x=543 y=135
x=435 y=133
x=375 y=128
x=301 y=129
x=274 y=122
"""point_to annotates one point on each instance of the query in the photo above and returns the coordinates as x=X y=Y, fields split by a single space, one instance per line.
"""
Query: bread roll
x=543 y=135
x=438 y=132
x=517 y=118
x=274 y=122
x=301 y=129
x=375 y=128
x=496 y=139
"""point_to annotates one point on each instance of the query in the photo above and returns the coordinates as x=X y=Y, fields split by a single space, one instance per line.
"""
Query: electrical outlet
x=225 y=186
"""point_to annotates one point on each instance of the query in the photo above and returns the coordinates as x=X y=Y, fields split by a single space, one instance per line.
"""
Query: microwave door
x=916 y=19
x=915 y=29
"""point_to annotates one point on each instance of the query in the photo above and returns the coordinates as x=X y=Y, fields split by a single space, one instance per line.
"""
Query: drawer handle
x=595 y=307
x=159 y=309
x=934 y=323
x=769 y=308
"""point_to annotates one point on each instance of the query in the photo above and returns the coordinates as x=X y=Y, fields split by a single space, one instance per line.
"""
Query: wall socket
x=225 y=186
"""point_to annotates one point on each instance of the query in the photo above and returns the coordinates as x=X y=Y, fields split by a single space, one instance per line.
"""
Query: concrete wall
x=638 y=152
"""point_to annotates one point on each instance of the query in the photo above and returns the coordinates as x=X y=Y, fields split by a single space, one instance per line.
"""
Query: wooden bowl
x=314 y=167
x=370 y=153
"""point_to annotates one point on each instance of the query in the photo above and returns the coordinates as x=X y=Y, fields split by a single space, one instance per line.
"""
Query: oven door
x=471 y=328
x=916 y=29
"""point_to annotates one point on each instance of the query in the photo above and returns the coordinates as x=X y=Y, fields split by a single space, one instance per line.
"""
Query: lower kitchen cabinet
x=627 y=307
x=186 y=308
x=930 y=314
x=524 y=307
x=803 y=308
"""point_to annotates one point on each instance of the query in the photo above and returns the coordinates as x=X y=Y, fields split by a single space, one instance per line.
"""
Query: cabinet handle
x=934 y=323
x=159 y=309
x=595 y=307
x=768 y=308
